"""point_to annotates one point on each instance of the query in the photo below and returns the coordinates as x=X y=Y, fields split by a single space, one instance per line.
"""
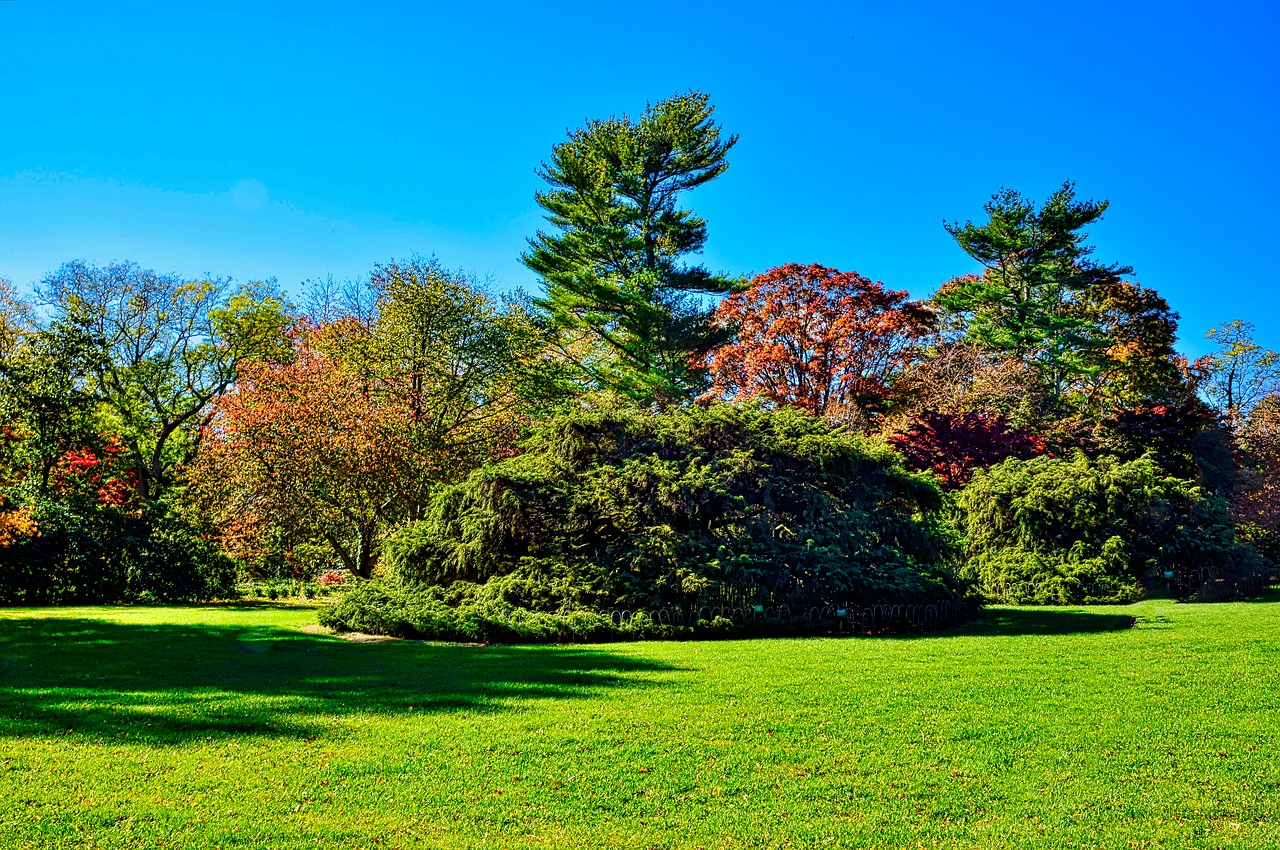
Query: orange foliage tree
x=15 y=523
x=307 y=447
x=815 y=338
x=401 y=383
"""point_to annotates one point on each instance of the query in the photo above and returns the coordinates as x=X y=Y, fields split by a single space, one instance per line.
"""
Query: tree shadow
x=171 y=683
x=1044 y=621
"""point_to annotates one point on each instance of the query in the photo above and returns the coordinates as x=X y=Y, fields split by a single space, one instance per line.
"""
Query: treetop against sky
x=304 y=140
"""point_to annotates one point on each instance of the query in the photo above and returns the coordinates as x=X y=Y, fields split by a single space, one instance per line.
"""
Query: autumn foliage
x=308 y=446
x=105 y=472
x=953 y=445
x=16 y=523
x=1256 y=501
x=815 y=338
x=401 y=384
x=628 y=439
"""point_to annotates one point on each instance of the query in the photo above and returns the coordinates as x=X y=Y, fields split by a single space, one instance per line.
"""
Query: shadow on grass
x=1046 y=621
x=170 y=683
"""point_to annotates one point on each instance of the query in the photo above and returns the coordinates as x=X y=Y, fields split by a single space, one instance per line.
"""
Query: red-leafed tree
x=815 y=338
x=1187 y=439
x=953 y=445
x=106 y=472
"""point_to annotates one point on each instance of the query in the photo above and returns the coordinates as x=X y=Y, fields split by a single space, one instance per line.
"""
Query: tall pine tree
x=634 y=312
x=1037 y=267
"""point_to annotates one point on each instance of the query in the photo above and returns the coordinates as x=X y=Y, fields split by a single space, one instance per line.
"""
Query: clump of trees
x=642 y=433
x=388 y=389
x=107 y=381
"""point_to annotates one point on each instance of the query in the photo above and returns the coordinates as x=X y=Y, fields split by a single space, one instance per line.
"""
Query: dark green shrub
x=1054 y=530
x=628 y=508
x=477 y=613
x=89 y=553
x=386 y=608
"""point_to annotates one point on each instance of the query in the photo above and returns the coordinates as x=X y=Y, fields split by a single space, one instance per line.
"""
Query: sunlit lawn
x=232 y=727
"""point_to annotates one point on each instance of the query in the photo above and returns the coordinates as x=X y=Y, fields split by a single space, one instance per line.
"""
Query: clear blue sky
x=298 y=140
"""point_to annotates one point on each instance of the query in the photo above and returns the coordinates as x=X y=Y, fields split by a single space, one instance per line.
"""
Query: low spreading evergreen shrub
x=478 y=613
x=388 y=608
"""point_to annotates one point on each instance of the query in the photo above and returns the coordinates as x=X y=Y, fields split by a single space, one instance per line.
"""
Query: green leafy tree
x=1069 y=530
x=615 y=272
x=17 y=323
x=398 y=383
x=1137 y=365
x=1240 y=373
x=166 y=348
x=47 y=400
x=469 y=371
x=1036 y=264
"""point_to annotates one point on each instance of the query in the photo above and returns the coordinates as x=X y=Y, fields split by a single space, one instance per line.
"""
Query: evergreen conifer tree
x=634 y=312
x=1037 y=267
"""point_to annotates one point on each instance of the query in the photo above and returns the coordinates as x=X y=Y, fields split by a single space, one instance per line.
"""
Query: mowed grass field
x=236 y=727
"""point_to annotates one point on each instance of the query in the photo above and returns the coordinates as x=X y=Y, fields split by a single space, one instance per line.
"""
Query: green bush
x=88 y=553
x=626 y=508
x=477 y=613
x=385 y=608
x=1064 y=531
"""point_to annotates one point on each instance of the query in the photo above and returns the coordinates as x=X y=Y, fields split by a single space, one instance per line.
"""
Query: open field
x=233 y=727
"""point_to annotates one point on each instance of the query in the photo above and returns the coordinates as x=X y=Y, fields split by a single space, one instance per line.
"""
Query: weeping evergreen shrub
x=1070 y=530
x=626 y=508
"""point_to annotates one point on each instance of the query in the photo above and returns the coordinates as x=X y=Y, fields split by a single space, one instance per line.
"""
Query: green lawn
x=233 y=727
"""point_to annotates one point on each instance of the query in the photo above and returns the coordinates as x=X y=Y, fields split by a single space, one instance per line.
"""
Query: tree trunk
x=367 y=558
x=361 y=563
x=343 y=554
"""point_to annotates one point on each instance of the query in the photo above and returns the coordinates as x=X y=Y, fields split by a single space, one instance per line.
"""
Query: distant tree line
x=641 y=432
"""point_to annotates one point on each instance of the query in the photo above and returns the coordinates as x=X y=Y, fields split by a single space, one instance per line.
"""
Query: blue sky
x=302 y=140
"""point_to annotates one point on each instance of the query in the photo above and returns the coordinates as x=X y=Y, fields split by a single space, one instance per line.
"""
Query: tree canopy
x=816 y=338
x=1036 y=266
x=1240 y=373
x=164 y=348
x=642 y=431
x=405 y=382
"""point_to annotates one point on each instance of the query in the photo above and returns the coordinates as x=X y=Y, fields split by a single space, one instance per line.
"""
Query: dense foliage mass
x=621 y=508
x=643 y=432
x=104 y=394
x=1081 y=530
x=76 y=551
